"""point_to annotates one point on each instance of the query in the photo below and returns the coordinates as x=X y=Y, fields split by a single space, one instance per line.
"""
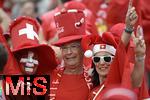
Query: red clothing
x=119 y=73
x=11 y=66
x=48 y=24
x=68 y=87
x=90 y=6
x=145 y=14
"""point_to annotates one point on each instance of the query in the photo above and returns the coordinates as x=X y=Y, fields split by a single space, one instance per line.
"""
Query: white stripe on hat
x=72 y=10
x=104 y=47
x=58 y=13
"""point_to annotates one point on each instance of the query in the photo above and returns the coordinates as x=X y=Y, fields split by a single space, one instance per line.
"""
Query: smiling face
x=28 y=62
x=102 y=61
x=72 y=54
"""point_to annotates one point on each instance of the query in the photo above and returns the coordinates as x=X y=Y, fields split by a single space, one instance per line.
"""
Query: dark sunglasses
x=97 y=59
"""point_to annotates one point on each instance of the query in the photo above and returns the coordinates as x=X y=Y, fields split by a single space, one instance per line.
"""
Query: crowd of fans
x=92 y=49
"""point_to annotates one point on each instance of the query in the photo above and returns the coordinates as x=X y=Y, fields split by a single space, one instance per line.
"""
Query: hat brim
x=46 y=55
x=67 y=39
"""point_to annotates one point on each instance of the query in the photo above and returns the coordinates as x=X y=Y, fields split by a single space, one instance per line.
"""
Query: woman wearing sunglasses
x=103 y=54
x=110 y=60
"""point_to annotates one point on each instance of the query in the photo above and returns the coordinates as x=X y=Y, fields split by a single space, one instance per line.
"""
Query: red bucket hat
x=70 y=26
x=24 y=35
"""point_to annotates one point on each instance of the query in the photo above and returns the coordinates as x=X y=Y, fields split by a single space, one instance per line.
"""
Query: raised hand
x=140 y=46
x=131 y=16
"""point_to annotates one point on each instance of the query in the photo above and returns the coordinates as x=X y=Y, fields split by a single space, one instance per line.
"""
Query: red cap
x=24 y=35
x=117 y=29
x=74 y=5
x=70 y=26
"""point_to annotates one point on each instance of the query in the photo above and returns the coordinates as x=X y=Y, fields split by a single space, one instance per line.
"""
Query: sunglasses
x=97 y=59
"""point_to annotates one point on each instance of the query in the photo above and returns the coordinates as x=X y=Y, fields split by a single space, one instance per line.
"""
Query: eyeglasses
x=72 y=47
x=97 y=59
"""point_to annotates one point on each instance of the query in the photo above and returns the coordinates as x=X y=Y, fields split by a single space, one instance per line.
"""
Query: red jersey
x=68 y=87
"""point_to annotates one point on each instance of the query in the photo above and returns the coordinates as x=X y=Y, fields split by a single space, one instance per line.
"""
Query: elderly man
x=68 y=80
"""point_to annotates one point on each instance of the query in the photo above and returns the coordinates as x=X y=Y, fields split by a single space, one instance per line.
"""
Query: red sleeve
x=120 y=68
x=143 y=91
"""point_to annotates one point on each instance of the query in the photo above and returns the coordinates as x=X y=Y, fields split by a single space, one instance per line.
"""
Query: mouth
x=70 y=58
x=31 y=65
x=28 y=69
x=103 y=68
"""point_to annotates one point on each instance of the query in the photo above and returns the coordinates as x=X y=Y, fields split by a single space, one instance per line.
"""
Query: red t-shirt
x=72 y=87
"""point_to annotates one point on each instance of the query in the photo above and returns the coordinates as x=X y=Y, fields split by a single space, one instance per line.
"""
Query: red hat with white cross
x=24 y=36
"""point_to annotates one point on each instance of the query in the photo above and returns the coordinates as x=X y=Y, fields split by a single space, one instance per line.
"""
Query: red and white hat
x=70 y=26
x=89 y=17
x=24 y=35
x=105 y=43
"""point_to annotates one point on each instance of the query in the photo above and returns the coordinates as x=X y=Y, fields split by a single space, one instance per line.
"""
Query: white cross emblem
x=29 y=32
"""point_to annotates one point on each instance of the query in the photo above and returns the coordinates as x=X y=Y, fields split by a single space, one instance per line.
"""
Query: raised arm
x=140 y=48
x=130 y=21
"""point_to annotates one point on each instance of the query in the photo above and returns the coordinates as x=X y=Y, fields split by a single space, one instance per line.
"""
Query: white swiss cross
x=29 y=32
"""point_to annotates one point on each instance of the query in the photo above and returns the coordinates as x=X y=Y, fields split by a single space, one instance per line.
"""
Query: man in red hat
x=32 y=57
x=68 y=79
x=27 y=50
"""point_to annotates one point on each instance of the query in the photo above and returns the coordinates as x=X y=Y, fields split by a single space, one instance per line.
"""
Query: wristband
x=140 y=58
x=127 y=30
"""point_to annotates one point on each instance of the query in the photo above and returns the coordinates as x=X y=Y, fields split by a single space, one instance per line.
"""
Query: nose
x=30 y=60
x=69 y=51
x=102 y=62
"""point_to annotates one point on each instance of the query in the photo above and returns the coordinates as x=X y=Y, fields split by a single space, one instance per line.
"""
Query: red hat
x=105 y=43
x=70 y=26
x=74 y=5
x=117 y=29
x=89 y=17
x=24 y=35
